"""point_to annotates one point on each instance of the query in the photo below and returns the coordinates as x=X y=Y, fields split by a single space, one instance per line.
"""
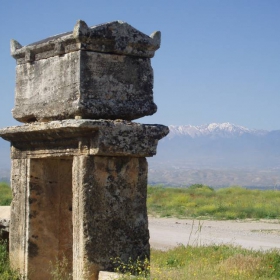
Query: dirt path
x=258 y=235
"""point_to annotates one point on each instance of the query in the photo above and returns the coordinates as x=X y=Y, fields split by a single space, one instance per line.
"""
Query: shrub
x=200 y=186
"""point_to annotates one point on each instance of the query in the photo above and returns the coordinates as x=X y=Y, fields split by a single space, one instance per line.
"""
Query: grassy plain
x=214 y=262
x=5 y=194
x=203 y=202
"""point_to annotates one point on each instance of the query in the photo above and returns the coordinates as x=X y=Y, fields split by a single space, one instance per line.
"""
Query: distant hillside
x=220 y=146
x=217 y=154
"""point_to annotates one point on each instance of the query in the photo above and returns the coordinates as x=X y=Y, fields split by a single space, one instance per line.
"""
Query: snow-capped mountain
x=212 y=129
x=222 y=145
x=217 y=146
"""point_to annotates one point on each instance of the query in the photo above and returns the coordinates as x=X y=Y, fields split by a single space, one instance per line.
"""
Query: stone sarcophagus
x=79 y=169
x=101 y=72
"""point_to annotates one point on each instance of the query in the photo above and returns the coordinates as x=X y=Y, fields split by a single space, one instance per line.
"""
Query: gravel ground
x=257 y=235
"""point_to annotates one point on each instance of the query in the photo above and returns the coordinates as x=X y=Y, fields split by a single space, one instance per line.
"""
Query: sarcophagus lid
x=98 y=72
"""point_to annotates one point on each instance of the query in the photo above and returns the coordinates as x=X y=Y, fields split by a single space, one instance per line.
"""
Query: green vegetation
x=140 y=268
x=209 y=262
x=188 y=262
x=199 y=201
x=59 y=270
x=214 y=262
x=6 y=273
x=5 y=194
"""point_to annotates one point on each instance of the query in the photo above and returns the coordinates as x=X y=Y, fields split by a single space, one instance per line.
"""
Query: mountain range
x=212 y=130
x=219 y=154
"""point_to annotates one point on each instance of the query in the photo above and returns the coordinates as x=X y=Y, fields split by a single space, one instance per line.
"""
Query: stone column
x=19 y=214
x=110 y=200
x=79 y=169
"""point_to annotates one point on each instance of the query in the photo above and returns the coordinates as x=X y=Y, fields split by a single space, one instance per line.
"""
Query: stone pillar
x=19 y=214
x=110 y=204
x=80 y=185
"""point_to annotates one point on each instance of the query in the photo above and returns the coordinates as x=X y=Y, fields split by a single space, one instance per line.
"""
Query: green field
x=203 y=202
x=5 y=194
x=191 y=263
x=214 y=262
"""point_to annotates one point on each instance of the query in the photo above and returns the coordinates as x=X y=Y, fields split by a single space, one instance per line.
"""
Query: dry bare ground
x=166 y=233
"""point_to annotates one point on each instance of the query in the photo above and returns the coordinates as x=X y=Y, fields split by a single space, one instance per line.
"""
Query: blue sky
x=219 y=60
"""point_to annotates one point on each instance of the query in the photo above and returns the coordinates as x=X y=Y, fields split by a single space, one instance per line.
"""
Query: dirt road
x=258 y=235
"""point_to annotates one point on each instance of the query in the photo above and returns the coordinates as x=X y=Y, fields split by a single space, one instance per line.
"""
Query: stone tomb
x=79 y=172
x=102 y=72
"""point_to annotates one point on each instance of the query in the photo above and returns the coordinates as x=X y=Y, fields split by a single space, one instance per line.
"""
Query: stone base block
x=105 y=275
x=4 y=223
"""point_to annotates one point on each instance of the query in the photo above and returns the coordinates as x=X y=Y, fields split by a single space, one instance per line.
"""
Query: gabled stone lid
x=113 y=37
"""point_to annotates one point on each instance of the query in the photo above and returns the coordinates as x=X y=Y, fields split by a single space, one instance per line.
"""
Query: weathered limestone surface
x=92 y=137
x=4 y=222
x=105 y=275
x=50 y=234
x=106 y=75
x=18 y=242
x=113 y=37
x=110 y=201
x=86 y=84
